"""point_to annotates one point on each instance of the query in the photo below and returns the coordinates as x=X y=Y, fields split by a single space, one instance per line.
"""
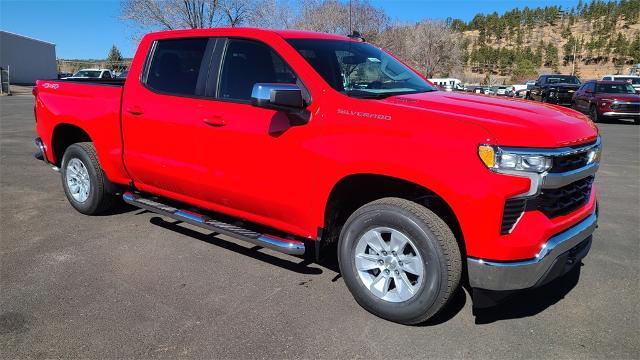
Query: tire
x=80 y=166
x=593 y=114
x=431 y=244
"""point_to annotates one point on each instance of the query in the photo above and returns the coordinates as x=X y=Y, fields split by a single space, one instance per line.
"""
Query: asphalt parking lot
x=132 y=285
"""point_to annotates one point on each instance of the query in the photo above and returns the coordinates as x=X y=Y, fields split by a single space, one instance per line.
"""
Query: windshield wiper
x=367 y=95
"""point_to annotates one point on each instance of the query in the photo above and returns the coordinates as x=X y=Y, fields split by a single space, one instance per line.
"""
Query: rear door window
x=175 y=66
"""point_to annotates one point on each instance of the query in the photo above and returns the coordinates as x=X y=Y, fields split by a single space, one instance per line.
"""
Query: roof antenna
x=353 y=33
x=350 y=26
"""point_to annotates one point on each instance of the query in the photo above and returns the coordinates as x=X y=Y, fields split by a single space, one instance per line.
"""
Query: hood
x=619 y=97
x=512 y=122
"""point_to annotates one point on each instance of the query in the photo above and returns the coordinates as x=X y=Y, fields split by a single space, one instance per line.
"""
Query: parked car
x=500 y=90
x=92 y=74
x=634 y=80
x=517 y=90
x=63 y=75
x=284 y=143
x=608 y=100
x=448 y=84
x=555 y=89
x=123 y=75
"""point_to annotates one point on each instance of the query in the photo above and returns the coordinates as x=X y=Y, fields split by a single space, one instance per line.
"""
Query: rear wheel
x=399 y=260
x=593 y=114
x=83 y=180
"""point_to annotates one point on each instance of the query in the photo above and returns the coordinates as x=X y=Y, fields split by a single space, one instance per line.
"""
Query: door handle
x=216 y=121
x=135 y=110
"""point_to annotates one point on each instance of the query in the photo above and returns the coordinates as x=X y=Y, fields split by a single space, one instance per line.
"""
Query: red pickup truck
x=308 y=143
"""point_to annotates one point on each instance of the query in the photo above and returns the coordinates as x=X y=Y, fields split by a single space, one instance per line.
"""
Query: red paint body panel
x=94 y=109
x=257 y=168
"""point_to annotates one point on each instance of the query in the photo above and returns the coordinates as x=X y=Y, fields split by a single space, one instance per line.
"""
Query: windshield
x=359 y=69
x=615 y=88
x=630 y=80
x=563 y=80
x=87 y=73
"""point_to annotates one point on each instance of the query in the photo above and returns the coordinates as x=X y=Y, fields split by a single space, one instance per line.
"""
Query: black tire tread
x=106 y=200
x=448 y=244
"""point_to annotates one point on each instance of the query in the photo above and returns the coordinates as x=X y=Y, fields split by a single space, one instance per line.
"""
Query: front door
x=258 y=163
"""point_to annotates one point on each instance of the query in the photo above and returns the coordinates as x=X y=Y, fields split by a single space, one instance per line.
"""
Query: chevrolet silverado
x=321 y=145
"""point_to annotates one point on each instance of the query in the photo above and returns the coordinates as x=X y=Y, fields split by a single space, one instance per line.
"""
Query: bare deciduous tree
x=274 y=14
x=433 y=47
x=429 y=46
x=340 y=17
x=192 y=14
x=171 y=14
x=236 y=12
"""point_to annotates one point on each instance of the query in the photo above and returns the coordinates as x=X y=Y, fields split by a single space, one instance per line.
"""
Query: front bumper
x=556 y=257
x=621 y=115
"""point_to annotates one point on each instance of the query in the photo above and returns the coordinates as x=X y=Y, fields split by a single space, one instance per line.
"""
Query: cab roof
x=248 y=31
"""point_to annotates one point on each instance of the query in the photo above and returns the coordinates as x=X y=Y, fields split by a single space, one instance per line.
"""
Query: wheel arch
x=64 y=135
x=354 y=190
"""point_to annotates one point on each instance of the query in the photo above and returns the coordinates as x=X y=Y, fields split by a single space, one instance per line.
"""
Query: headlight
x=499 y=160
x=594 y=155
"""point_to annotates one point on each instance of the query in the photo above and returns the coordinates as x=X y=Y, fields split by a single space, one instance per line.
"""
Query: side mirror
x=283 y=97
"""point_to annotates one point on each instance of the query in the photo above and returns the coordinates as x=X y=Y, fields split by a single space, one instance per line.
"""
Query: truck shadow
x=518 y=305
x=529 y=302
x=254 y=252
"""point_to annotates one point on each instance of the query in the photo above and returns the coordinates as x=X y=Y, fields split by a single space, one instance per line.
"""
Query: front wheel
x=83 y=180
x=399 y=260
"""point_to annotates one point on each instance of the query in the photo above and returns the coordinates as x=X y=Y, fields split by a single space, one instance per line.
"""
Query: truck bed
x=92 y=105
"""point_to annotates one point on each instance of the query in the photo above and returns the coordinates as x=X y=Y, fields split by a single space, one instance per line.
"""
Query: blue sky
x=87 y=29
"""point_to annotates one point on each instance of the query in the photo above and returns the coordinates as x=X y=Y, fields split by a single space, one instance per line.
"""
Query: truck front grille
x=626 y=107
x=569 y=162
x=551 y=202
x=562 y=201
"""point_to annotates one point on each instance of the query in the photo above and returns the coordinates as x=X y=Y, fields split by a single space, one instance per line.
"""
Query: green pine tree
x=115 y=61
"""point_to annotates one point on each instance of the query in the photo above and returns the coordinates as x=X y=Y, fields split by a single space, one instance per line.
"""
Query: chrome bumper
x=620 y=114
x=494 y=275
x=41 y=154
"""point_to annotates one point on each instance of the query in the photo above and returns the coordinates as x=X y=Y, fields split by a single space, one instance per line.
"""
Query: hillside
x=520 y=44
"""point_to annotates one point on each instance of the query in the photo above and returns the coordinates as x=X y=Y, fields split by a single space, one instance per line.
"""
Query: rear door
x=164 y=114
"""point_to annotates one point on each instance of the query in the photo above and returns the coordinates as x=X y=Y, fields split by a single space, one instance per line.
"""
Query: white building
x=28 y=59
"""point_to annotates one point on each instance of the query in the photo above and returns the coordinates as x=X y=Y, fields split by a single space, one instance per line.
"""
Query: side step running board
x=286 y=246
